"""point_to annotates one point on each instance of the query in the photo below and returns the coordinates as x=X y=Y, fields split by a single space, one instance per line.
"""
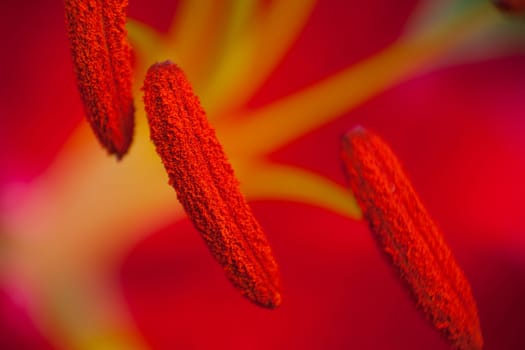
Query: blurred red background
x=458 y=129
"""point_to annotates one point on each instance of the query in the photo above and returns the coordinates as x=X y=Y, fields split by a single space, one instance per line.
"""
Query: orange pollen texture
x=102 y=64
x=410 y=239
x=206 y=185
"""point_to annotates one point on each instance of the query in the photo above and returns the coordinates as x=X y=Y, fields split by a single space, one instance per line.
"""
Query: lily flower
x=98 y=254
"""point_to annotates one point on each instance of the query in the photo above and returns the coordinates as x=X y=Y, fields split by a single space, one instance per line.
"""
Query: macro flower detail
x=100 y=254
x=102 y=64
x=206 y=186
x=410 y=239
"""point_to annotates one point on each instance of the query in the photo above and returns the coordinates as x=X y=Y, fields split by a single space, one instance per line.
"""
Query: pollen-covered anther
x=410 y=240
x=206 y=186
x=102 y=65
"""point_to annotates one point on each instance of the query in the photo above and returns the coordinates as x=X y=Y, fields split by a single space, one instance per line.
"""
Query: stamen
x=206 y=186
x=102 y=64
x=410 y=239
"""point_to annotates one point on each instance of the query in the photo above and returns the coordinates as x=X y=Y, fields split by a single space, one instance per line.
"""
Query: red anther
x=410 y=239
x=206 y=186
x=102 y=64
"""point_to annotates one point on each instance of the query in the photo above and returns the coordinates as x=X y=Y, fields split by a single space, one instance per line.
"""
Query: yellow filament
x=279 y=123
x=255 y=55
x=281 y=182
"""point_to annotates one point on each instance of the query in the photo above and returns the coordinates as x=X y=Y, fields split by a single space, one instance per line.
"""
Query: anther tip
x=355 y=131
x=358 y=129
x=119 y=155
x=273 y=302
x=165 y=63
x=276 y=301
